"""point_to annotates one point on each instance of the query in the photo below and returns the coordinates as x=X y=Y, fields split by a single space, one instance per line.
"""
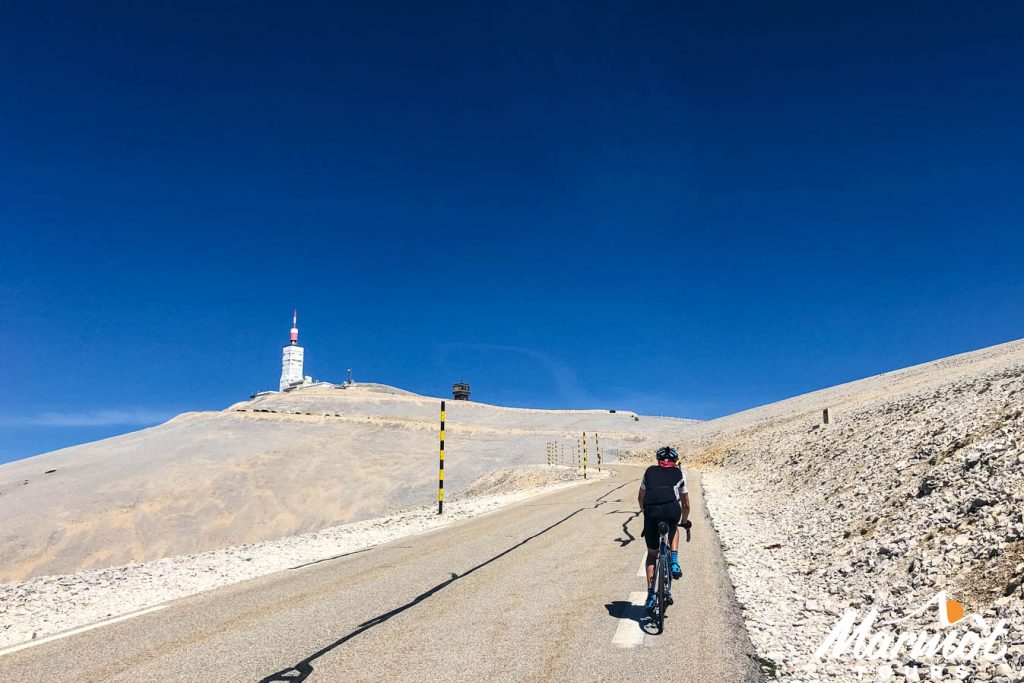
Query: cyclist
x=663 y=497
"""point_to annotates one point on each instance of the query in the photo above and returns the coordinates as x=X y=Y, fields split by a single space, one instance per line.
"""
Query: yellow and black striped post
x=440 y=472
x=584 y=455
x=597 y=447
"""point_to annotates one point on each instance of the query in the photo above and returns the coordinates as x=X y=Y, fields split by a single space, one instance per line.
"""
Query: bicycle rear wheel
x=660 y=582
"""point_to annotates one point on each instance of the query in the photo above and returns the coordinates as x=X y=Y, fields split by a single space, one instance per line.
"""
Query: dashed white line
x=628 y=633
x=81 y=629
x=642 y=571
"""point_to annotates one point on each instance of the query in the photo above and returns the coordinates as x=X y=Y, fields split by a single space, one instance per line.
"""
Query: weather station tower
x=291 y=358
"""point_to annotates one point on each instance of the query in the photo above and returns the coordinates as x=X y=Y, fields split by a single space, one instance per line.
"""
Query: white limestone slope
x=916 y=487
x=275 y=466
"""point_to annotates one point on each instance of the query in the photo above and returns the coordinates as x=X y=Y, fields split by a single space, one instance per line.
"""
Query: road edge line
x=81 y=629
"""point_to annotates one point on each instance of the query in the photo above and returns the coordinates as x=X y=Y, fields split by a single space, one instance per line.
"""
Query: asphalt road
x=543 y=590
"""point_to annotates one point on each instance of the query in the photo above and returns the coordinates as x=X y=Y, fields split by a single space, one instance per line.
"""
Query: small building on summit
x=460 y=391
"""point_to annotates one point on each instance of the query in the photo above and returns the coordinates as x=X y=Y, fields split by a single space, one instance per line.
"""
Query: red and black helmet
x=668 y=454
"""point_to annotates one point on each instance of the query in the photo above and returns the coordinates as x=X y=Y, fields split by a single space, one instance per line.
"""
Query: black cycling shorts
x=666 y=512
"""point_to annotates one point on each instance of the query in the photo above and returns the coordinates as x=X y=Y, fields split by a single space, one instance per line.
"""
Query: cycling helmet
x=668 y=454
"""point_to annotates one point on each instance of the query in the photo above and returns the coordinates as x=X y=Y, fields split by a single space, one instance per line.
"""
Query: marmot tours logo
x=956 y=640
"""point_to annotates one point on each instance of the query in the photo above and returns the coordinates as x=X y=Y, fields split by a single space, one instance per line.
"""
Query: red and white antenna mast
x=295 y=326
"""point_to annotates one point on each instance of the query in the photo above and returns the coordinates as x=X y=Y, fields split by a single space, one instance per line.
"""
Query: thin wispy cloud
x=567 y=385
x=89 y=418
x=570 y=391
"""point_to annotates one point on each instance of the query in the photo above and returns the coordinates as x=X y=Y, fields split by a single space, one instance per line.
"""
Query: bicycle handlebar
x=686 y=525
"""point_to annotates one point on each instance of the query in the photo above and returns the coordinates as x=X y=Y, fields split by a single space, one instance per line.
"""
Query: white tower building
x=291 y=358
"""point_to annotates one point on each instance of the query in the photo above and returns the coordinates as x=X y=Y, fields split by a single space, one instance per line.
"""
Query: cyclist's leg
x=652 y=557
x=676 y=570
x=650 y=541
x=650 y=536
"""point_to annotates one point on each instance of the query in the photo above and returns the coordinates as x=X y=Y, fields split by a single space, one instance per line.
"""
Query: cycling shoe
x=677 y=573
x=651 y=602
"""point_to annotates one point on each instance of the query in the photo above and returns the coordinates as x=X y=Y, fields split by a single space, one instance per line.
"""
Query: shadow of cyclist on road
x=623 y=609
x=626 y=537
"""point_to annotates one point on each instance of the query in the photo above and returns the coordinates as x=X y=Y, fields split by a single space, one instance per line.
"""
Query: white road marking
x=628 y=633
x=81 y=629
x=642 y=571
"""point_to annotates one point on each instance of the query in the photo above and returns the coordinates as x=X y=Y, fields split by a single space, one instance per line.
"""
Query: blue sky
x=680 y=208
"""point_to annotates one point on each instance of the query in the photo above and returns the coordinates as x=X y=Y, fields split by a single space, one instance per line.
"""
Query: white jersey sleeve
x=681 y=487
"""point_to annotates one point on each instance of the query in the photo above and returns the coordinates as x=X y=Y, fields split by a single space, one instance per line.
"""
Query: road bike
x=663 y=575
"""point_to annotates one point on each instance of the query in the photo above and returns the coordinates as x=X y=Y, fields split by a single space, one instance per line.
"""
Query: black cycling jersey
x=663 y=488
x=663 y=485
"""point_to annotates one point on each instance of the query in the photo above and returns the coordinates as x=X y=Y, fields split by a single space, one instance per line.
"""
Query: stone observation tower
x=460 y=391
x=291 y=358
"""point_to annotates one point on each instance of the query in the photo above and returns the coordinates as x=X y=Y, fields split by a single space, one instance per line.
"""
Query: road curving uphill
x=540 y=590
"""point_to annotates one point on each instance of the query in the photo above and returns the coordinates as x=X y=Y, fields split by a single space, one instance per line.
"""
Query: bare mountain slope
x=278 y=465
x=916 y=487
